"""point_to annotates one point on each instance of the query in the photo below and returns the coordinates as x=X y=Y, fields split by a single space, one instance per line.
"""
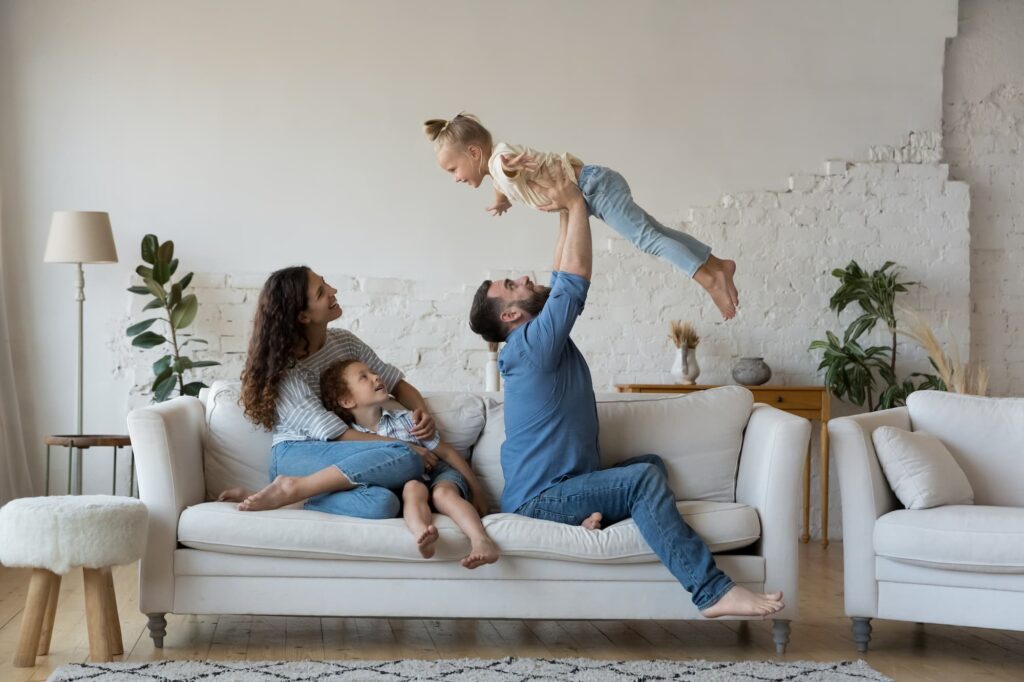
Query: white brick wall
x=896 y=204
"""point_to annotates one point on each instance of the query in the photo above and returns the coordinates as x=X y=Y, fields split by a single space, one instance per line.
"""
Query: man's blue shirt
x=550 y=410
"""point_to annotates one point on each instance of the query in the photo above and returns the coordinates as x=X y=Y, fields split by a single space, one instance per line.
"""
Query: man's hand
x=422 y=425
x=429 y=458
x=561 y=190
x=500 y=205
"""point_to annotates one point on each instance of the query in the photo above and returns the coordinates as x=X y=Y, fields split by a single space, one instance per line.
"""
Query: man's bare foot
x=480 y=553
x=281 y=492
x=739 y=601
x=234 y=495
x=716 y=276
x=425 y=541
x=593 y=522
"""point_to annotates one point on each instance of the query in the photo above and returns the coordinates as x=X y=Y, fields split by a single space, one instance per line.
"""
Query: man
x=550 y=456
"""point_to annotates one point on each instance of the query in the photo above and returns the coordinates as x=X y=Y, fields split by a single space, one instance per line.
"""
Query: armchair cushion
x=920 y=469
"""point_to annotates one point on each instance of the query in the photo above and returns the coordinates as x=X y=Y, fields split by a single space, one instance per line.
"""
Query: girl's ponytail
x=463 y=130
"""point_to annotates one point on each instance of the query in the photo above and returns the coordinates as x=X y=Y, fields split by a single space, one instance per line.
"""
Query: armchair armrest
x=865 y=496
x=771 y=468
x=167 y=443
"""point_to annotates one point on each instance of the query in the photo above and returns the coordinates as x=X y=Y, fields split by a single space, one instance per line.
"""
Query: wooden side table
x=810 y=402
x=84 y=442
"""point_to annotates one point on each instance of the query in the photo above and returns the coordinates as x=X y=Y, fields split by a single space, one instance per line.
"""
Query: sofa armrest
x=167 y=443
x=771 y=466
x=865 y=496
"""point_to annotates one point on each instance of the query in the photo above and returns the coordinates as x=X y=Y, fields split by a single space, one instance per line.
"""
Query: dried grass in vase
x=959 y=376
x=683 y=333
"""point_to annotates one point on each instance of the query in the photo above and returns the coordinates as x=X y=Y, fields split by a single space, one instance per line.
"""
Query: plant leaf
x=193 y=388
x=156 y=289
x=204 y=363
x=174 y=266
x=155 y=303
x=140 y=327
x=175 y=295
x=185 y=281
x=161 y=271
x=163 y=364
x=149 y=246
x=185 y=312
x=144 y=272
x=148 y=340
x=162 y=390
x=166 y=253
x=144 y=291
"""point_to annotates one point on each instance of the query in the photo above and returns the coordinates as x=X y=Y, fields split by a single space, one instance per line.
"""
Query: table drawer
x=788 y=400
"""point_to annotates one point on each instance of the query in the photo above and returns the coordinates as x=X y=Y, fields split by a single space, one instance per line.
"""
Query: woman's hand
x=429 y=458
x=560 y=189
x=422 y=425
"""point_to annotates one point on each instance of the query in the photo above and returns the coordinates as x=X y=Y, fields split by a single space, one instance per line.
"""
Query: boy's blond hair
x=465 y=129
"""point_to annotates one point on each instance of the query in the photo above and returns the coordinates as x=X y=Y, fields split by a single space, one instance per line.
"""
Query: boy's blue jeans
x=376 y=467
x=608 y=198
x=638 y=488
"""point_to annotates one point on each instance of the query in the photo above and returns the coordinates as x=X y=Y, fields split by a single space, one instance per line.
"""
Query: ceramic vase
x=685 y=369
x=751 y=372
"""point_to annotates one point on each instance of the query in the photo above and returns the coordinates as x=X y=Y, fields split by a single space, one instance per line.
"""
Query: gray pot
x=751 y=372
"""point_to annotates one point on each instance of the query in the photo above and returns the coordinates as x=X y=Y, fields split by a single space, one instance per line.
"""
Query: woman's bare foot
x=234 y=495
x=593 y=522
x=480 y=553
x=425 y=541
x=716 y=276
x=739 y=601
x=281 y=492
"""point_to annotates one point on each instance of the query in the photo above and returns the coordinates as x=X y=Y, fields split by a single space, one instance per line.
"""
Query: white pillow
x=920 y=470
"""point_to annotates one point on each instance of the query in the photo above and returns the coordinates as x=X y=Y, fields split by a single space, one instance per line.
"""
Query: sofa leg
x=861 y=633
x=780 y=635
x=157 y=629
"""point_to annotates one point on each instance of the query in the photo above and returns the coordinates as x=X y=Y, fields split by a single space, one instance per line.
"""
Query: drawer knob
x=778 y=399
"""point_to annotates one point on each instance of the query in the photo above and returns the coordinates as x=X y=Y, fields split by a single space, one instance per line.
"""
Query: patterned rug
x=469 y=670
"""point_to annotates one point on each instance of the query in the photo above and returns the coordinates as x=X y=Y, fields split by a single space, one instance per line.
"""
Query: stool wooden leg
x=51 y=612
x=116 y=643
x=96 y=615
x=33 y=617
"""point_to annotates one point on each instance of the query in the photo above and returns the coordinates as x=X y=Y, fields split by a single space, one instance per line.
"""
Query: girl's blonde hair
x=464 y=129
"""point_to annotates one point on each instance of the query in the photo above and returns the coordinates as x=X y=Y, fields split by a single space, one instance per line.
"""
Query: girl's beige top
x=516 y=187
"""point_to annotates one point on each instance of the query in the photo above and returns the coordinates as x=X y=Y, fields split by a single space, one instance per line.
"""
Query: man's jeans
x=376 y=467
x=638 y=488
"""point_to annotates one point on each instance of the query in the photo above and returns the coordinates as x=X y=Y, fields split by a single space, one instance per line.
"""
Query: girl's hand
x=500 y=206
x=422 y=425
x=519 y=162
x=480 y=502
x=429 y=458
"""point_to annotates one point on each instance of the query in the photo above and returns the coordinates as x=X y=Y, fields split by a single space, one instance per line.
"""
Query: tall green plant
x=868 y=374
x=179 y=311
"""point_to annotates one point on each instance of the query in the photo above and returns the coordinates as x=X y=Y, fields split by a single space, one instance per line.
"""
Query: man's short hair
x=485 y=315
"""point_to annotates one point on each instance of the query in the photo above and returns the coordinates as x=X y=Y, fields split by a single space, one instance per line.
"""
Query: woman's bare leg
x=287 y=490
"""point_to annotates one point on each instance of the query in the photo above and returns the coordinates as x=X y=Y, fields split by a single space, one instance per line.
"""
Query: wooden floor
x=904 y=651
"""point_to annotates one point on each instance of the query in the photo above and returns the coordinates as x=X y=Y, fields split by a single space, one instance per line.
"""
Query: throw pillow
x=920 y=469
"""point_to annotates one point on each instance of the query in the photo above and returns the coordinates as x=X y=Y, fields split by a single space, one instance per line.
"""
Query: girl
x=290 y=346
x=465 y=149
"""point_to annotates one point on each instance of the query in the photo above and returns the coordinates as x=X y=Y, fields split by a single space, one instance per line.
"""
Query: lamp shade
x=80 y=237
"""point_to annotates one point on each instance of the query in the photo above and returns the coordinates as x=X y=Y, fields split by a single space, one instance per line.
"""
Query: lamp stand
x=80 y=298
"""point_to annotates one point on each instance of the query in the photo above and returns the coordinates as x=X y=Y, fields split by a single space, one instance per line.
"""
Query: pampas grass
x=683 y=334
x=959 y=377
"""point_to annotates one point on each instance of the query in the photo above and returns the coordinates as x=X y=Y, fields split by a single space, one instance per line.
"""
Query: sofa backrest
x=698 y=435
x=984 y=435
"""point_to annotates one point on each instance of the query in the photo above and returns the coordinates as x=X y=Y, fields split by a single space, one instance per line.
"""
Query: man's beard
x=535 y=303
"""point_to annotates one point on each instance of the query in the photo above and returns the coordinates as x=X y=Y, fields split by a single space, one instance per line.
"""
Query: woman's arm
x=407 y=394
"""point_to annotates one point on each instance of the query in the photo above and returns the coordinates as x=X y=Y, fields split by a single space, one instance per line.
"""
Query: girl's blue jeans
x=608 y=197
x=637 y=488
x=377 y=468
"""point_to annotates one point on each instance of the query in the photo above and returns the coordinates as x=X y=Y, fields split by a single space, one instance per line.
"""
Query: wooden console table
x=810 y=402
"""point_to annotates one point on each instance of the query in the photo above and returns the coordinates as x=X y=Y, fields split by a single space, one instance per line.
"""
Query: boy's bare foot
x=716 y=276
x=425 y=541
x=234 y=495
x=281 y=492
x=739 y=601
x=480 y=553
x=593 y=522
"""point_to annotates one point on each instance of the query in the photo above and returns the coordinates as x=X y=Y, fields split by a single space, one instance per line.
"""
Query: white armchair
x=958 y=565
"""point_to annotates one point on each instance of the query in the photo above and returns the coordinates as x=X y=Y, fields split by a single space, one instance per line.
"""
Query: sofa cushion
x=237 y=452
x=218 y=526
x=957 y=537
x=697 y=435
x=920 y=469
x=985 y=437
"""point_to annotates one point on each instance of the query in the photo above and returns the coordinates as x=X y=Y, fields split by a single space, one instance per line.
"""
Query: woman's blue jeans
x=608 y=197
x=377 y=468
x=637 y=488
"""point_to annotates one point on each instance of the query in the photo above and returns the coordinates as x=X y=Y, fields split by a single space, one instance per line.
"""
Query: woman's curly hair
x=277 y=339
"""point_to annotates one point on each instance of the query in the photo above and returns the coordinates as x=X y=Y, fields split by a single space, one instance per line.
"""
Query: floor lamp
x=80 y=237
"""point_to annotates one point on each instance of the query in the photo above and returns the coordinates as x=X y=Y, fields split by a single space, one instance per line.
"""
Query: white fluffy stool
x=54 y=535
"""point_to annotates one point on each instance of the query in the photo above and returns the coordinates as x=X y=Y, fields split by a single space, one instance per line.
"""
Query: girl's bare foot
x=593 y=522
x=425 y=541
x=480 y=553
x=234 y=495
x=739 y=601
x=281 y=492
x=716 y=276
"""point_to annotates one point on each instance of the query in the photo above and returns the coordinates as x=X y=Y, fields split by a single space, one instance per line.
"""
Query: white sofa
x=734 y=466
x=958 y=564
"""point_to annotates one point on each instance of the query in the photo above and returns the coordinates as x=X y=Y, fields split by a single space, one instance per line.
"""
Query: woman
x=290 y=346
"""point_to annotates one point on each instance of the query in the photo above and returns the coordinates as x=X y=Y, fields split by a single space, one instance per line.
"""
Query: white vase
x=492 y=378
x=685 y=368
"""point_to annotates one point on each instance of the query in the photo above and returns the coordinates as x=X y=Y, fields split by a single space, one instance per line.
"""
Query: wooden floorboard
x=904 y=651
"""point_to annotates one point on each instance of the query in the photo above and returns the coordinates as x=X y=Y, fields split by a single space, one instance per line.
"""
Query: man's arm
x=563 y=227
x=574 y=251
